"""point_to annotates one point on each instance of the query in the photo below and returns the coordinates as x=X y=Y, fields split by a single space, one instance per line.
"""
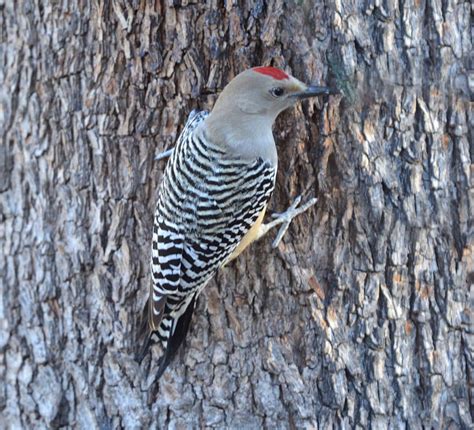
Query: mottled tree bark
x=360 y=319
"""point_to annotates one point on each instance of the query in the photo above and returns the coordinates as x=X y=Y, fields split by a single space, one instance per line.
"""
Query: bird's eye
x=277 y=92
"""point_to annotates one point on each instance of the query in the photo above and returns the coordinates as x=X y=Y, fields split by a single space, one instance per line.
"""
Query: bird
x=213 y=198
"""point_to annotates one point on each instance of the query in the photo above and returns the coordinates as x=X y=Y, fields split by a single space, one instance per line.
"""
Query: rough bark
x=360 y=319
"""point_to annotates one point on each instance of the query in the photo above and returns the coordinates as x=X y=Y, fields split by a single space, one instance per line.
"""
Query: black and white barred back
x=207 y=202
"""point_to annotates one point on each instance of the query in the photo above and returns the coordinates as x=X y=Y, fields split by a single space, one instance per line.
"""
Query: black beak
x=315 y=91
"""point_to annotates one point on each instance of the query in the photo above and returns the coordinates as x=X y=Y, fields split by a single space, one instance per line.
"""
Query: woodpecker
x=212 y=200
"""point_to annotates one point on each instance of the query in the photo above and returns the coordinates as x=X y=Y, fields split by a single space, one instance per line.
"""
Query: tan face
x=279 y=95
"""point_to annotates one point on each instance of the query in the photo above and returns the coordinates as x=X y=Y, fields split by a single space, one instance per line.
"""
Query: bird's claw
x=164 y=154
x=286 y=217
x=292 y=207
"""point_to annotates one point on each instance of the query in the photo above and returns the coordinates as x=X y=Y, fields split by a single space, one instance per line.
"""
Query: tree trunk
x=360 y=319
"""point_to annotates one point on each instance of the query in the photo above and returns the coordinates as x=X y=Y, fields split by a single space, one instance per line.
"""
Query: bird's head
x=264 y=91
x=242 y=118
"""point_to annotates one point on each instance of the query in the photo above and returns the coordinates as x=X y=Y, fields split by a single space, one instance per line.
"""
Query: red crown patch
x=271 y=71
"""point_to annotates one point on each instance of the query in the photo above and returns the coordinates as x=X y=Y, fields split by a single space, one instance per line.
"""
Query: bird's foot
x=164 y=154
x=285 y=219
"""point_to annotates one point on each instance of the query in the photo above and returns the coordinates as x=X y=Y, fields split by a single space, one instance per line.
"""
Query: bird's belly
x=249 y=236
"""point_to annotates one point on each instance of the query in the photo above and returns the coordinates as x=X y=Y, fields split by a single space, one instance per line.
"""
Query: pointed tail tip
x=140 y=355
x=164 y=363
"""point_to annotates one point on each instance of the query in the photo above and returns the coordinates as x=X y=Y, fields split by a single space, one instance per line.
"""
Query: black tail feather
x=176 y=339
x=144 y=335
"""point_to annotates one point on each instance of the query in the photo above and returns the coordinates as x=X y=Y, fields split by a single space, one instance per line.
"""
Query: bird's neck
x=245 y=136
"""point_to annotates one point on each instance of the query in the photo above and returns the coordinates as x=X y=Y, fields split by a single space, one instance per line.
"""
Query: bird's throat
x=246 y=137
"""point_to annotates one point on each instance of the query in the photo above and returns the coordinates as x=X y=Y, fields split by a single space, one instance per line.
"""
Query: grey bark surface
x=360 y=319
